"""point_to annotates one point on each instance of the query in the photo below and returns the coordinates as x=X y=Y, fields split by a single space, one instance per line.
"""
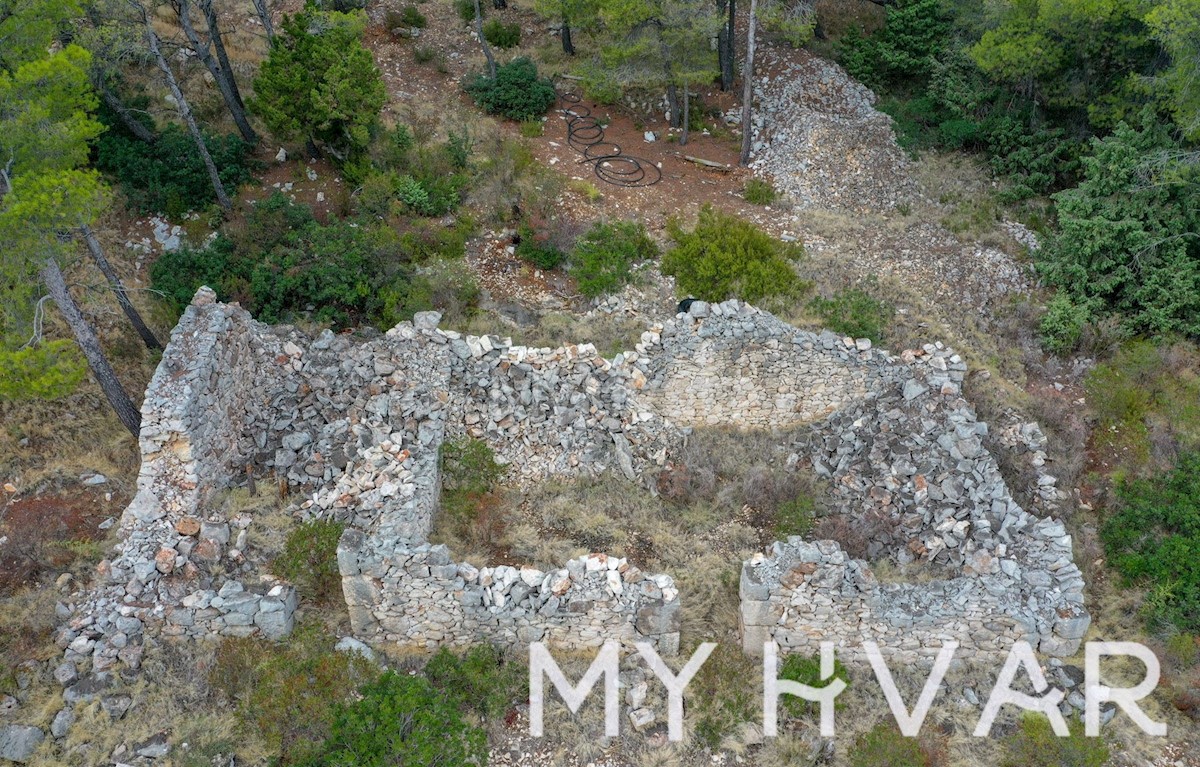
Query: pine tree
x=320 y=84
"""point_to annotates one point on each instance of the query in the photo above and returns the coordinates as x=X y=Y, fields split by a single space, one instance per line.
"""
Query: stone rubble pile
x=819 y=137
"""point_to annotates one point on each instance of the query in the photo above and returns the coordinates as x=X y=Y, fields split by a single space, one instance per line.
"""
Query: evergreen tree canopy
x=319 y=84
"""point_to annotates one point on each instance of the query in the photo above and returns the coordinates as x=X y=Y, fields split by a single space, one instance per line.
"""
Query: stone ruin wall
x=362 y=422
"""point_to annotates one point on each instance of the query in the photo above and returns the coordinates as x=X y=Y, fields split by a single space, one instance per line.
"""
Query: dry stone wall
x=356 y=424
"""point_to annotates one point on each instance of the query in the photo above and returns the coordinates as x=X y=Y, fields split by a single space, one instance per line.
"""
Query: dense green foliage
x=1153 y=540
x=1121 y=245
x=320 y=84
x=758 y=192
x=400 y=720
x=855 y=313
x=283 y=264
x=1034 y=744
x=168 y=176
x=726 y=257
x=603 y=258
x=481 y=680
x=537 y=246
x=516 y=92
x=309 y=560
x=49 y=370
x=502 y=35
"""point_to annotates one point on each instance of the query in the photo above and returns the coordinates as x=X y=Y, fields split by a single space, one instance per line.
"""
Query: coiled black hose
x=585 y=135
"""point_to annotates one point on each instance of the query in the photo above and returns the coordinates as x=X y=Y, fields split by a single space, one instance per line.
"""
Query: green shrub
x=603 y=258
x=412 y=17
x=168 y=176
x=423 y=54
x=1062 y=324
x=446 y=285
x=466 y=10
x=309 y=560
x=1119 y=246
x=885 y=746
x=807 y=671
x=400 y=720
x=1153 y=540
x=288 y=692
x=533 y=128
x=281 y=263
x=1034 y=744
x=502 y=35
x=726 y=257
x=49 y=370
x=758 y=192
x=482 y=680
x=854 y=313
x=515 y=92
x=536 y=245
x=468 y=467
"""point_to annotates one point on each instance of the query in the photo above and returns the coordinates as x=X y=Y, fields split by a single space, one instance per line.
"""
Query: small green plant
x=585 y=189
x=423 y=54
x=603 y=258
x=854 y=313
x=309 y=560
x=536 y=246
x=758 y=192
x=726 y=257
x=795 y=517
x=807 y=670
x=533 y=128
x=400 y=719
x=466 y=10
x=1153 y=538
x=502 y=35
x=469 y=474
x=1062 y=324
x=516 y=91
x=885 y=746
x=1034 y=744
x=482 y=680
x=412 y=17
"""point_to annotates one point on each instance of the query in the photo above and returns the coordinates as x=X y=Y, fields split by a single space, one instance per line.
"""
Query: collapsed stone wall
x=357 y=423
x=908 y=464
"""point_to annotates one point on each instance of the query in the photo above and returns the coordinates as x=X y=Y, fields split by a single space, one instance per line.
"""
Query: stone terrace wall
x=732 y=364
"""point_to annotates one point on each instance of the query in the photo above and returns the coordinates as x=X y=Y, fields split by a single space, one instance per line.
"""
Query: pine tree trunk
x=218 y=41
x=567 y=45
x=114 y=103
x=185 y=112
x=90 y=345
x=669 y=76
x=727 y=72
x=487 y=49
x=221 y=76
x=264 y=16
x=118 y=288
x=724 y=49
x=748 y=86
x=686 y=116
